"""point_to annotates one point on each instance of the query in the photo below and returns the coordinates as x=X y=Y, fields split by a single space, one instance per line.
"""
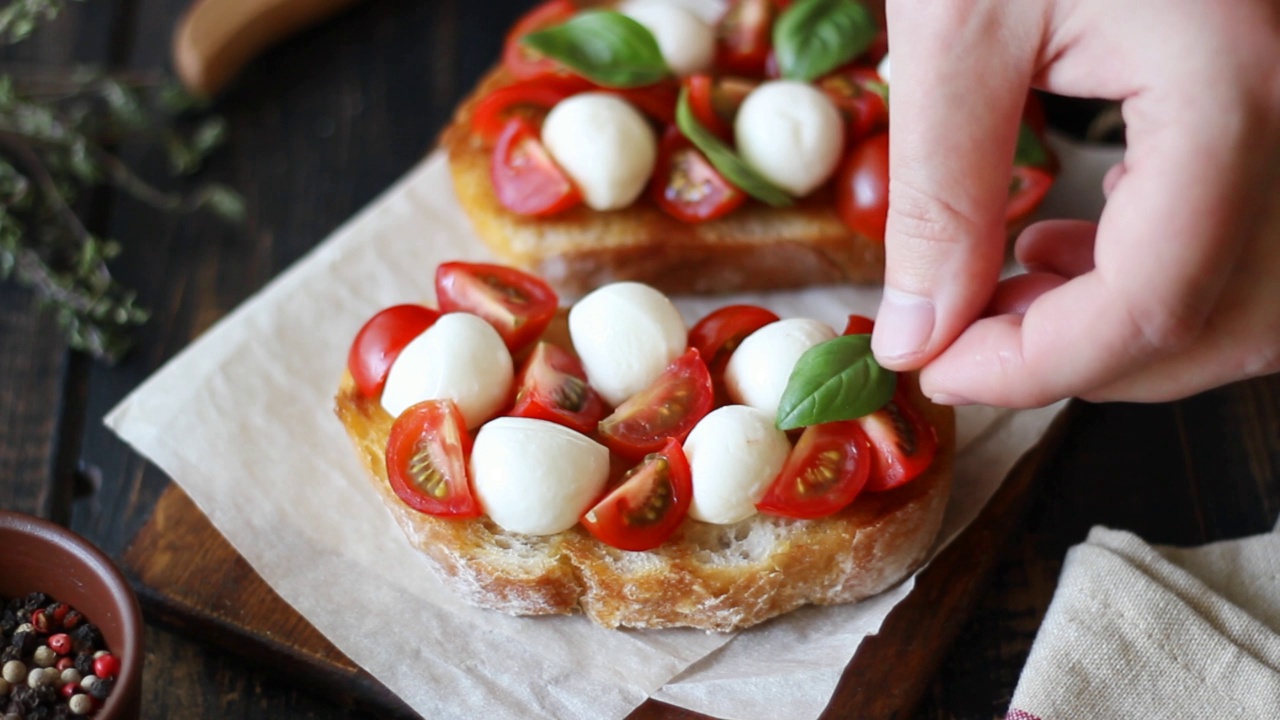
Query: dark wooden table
x=321 y=125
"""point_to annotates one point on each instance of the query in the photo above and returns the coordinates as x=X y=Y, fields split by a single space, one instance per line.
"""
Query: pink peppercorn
x=61 y=643
x=106 y=666
x=69 y=689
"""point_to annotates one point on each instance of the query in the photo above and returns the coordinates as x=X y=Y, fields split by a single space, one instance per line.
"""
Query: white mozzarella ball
x=758 y=371
x=534 y=476
x=687 y=43
x=791 y=133
x=459 y=358
x=735 y=453
x=605 y=146
x=883 y=68
x=625 y=334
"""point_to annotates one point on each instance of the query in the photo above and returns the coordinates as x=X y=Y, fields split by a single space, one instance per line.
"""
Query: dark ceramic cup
x=37 y=555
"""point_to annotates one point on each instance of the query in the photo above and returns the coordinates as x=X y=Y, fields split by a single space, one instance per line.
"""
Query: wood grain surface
x=318 y=127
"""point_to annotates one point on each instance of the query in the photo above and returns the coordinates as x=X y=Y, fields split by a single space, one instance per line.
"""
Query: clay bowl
x=37 y=555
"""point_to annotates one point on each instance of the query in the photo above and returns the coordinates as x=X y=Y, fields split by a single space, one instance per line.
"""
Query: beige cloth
x=1136 y=631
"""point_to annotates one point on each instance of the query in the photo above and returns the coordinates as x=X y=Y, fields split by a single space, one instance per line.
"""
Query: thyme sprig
x=58 y=131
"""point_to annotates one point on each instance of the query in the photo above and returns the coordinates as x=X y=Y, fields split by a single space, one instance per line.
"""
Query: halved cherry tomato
x=862 y=187
x=668 y=408
x=859 y=325
x=518 y=305
x=380 y=341
x=658 y=100
x=491 y=113
x=526 y=179
x=648 y=506
x=687 y=186
x=717 y=335
x=525 y=62
x=876 y=51
x=744 y=36
x=903 y=442
x=825 y=471
x=1027 y=188
x=853 y=90
x=715 y=101
x=553 y=386
x=427 y=460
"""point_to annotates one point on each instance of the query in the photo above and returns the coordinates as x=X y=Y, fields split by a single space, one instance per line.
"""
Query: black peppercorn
x=86 y=638
x=34 y=600
x=84 y=663
x=10 y=653
x=102 y=688
x=25 y=641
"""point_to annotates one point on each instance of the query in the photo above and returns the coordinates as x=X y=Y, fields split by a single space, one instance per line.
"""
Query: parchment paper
x=242 y=420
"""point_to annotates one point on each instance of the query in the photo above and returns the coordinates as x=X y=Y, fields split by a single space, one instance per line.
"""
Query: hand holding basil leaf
x=835 y=380
x=605 y=47
x=814 y=37
x=727 y=162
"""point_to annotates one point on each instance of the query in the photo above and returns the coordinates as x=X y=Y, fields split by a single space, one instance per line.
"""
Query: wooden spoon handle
x=217 y=38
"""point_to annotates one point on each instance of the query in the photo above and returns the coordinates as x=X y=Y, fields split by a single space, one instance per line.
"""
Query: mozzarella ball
x=735 y=453
x=625 y=334
x=791 y=133
x=605 y=146
x=883 y=68
x=758 y=371
x=534 y=476
x=687 y=43
x=459 y=358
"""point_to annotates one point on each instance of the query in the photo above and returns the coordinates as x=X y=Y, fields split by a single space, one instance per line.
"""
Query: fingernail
x=904 y=324
x=945 y=399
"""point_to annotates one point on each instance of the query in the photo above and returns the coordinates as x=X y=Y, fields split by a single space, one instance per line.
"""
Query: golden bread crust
x=706 y=576
x=756 y=247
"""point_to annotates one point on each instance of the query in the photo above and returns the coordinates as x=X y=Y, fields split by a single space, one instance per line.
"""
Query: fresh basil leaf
x=814 y=37
x=606 y=47
x=1030 y=151
x=725 y=160
x=835 y=380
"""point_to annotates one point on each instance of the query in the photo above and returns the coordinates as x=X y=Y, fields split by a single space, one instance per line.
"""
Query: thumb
x=960 y=76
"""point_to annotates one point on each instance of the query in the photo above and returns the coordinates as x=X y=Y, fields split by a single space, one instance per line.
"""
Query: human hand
x=1175 y=290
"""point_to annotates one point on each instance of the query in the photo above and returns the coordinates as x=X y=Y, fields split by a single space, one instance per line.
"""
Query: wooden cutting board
x=187 y=575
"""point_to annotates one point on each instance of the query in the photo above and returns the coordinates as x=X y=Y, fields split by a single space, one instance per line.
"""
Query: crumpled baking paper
x=242 y=420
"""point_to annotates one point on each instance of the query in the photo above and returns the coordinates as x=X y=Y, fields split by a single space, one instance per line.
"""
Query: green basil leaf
x=814 y=37
x=605 y=47
x=724 y=159
x=835 y=380
x=1030 y=151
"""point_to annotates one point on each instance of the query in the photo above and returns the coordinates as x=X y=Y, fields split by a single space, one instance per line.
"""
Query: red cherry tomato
x=715 y=101
x=648 y=506
x=525 y=62
x=658 y=101
x=744 y=37
x=717 y=335
x=518 y=305
x=552 y=386
x=427 y=460
x=1027 y=188
x=381 y=340
x=825 y=471
x=862 y=187
x=687 y=186
x=491 y=113
x=859 y=325
x=851 y=88
x=525 y=178
x=876 y=51
x=668 y=408
x=903 y=443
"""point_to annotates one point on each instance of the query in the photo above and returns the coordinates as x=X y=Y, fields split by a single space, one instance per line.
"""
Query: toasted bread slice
x=706 y=576
x=755 y=247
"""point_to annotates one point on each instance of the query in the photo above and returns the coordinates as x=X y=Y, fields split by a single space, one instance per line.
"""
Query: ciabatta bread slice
x=706 y=576
x=753 y=248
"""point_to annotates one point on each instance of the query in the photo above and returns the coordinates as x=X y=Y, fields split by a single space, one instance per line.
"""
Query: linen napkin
x=1136 y=631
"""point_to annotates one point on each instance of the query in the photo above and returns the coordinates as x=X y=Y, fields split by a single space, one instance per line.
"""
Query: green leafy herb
x=605 y=47
x=57 y=134
x=1030 y=151
x=726 y=161
x=814 y=37
x=835 y=380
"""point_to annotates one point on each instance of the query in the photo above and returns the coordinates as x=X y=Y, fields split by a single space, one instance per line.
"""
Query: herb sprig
x=57 y=134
